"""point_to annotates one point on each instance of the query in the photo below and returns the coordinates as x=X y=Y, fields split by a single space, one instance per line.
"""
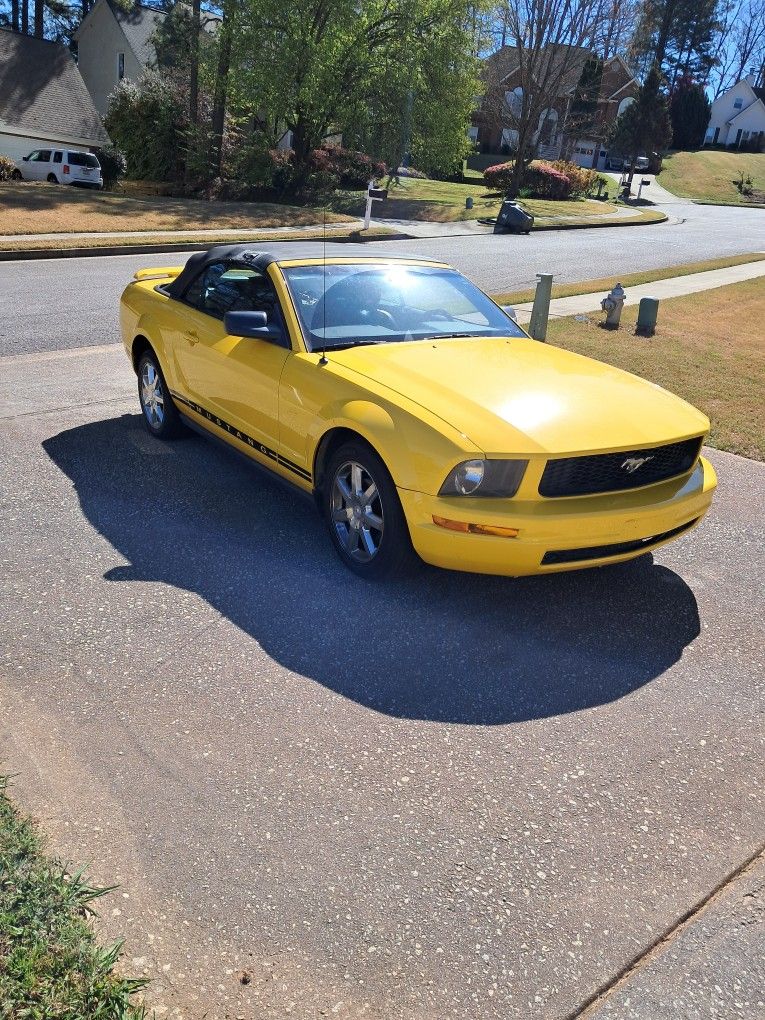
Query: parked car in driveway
x=60 y=166
x=420 y=417
x=614 y=162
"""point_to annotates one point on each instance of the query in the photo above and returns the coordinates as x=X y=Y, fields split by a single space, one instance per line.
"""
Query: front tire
x=160 y=414
x=16 y=176
x=364 y=516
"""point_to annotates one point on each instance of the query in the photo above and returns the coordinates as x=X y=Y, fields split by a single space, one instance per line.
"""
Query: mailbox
x=378 y=193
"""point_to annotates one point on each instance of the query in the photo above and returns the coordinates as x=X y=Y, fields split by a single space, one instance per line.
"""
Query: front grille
x=597 y=552
x=611 y=472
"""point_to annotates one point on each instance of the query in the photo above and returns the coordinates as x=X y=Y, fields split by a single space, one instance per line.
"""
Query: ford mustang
x=416 y=412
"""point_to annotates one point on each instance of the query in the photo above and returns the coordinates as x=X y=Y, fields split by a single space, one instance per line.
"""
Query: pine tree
x=645 y=125
x=689 y=110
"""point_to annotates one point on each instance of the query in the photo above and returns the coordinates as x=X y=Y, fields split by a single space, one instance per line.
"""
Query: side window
x=57 y=157
x=230 y=287
x=32 y=157
x=44 y=156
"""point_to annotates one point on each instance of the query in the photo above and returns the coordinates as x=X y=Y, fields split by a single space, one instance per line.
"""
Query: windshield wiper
x=344 y=347
x=452 y=336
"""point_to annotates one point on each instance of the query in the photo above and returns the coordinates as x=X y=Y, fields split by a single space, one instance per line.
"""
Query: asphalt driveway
x=458 y=796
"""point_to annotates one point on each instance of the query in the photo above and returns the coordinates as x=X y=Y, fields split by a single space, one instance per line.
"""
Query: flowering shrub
x=7 y=167
x=541 y=180
x=497 y=177
x=328 y=167
x=350 y=168
x=583 y=181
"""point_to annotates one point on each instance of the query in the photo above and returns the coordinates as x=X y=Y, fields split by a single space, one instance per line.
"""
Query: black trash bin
x=513 y=219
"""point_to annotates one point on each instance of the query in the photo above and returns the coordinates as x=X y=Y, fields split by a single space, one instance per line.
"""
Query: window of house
x=737 y=104
x=548 y=123
x=120 y=66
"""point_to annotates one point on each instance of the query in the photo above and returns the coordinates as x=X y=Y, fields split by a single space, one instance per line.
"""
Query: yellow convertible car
x=423 y=420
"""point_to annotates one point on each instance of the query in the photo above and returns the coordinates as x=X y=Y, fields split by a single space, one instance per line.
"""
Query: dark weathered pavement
x=55 y=304
x=459 y=796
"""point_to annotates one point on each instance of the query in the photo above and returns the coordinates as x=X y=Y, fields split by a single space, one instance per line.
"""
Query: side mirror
x=25 y=158
x=509 y=311
x=253 y=325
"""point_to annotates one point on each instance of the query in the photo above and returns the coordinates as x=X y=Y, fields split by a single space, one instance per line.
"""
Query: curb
x=589 y=226
x=730 y=205
x=29 y=254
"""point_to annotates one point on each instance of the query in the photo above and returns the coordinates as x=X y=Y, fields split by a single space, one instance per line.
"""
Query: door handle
x=192 y=338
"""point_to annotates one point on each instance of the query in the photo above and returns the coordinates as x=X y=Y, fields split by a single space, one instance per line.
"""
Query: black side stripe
x=266 y=451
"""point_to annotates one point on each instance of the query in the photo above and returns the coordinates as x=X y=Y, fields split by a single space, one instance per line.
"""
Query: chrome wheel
x=152 y=395
x=357 y=513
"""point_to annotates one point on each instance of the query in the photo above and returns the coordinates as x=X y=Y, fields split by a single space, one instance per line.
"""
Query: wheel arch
x=138 y=348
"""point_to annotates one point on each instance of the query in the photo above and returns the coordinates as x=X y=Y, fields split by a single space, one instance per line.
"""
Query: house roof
x=42 y=92
x=138 y=23
x=747 y=109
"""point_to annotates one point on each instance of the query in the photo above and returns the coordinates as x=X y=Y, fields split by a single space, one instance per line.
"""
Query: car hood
x=517 y=395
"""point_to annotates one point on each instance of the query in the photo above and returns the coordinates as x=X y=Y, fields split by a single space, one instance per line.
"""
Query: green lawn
x=708 y=348
x=51 y=965
x=710 y=176
x=444 y=201
x=564 y=289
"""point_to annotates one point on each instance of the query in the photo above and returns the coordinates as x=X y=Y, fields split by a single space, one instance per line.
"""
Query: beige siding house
x=112 y=44
x=43 y=99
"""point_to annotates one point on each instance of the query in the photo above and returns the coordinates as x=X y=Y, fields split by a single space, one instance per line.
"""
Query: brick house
x=555 y=135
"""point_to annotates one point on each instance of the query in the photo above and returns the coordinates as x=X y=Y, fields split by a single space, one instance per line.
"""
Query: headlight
x=484 y=478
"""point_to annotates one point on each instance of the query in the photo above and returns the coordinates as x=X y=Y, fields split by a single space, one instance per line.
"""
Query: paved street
x=55 y=304
x=458 y=796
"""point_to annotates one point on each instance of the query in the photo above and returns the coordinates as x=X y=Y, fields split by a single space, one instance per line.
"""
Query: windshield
x=82 y=159
x=349 y=305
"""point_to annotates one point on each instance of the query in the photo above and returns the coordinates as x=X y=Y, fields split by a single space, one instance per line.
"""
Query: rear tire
x=364 y=516
x=160 y=414
x=52 y=179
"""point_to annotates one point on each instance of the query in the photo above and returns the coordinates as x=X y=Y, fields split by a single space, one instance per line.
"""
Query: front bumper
x=549 y=526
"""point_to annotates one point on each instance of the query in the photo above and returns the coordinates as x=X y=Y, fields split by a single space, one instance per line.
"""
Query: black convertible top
x=262 y=254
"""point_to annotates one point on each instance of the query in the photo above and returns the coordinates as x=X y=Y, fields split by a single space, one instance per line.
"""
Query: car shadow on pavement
x=441 y=646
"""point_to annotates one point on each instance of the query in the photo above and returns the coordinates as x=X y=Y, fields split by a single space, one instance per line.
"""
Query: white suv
x=61 y=166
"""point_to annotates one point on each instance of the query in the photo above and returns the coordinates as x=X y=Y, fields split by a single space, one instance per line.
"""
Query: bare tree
x=739 y=45
x=547 y=42
x=615 y=24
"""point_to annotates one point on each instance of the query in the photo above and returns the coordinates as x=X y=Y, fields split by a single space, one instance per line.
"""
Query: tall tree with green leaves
x=324 y=65
x=645 y=125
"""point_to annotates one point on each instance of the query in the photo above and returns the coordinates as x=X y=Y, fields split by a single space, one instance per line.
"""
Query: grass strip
x=65 y=244
x=50 y=962
x=563 y=290
x=638 y=217
x=709 y=348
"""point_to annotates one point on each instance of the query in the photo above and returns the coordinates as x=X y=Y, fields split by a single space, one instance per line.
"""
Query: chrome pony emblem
x=631 y=464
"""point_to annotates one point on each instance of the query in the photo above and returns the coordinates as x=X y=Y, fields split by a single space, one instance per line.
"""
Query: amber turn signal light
x=475 y=529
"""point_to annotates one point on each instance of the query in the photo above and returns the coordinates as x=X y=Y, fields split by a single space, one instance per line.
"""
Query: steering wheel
x=383 y=318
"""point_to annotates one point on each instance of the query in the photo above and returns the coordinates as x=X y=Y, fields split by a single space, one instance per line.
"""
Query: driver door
x=234 y=379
